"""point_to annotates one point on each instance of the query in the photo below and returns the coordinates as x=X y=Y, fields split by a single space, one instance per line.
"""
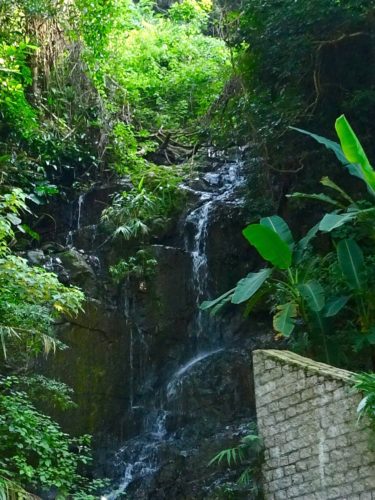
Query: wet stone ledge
x=314 y=446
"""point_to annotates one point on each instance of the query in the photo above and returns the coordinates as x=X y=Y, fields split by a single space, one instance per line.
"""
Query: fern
x=9 y=490
x=251 y=444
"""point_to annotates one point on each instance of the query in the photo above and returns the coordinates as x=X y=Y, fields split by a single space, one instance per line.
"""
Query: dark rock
x=36 y=257
x=79 y=271
x=135 y=360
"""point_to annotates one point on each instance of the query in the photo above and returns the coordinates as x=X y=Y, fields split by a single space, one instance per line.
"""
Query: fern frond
x=246 y=477
x=9 y=490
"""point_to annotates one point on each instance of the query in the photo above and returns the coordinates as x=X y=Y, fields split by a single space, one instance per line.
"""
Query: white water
x=81 y=201
x=199 y=218
x=224 y=182
x=140 y=455
x=69 y=239
x=176 y=378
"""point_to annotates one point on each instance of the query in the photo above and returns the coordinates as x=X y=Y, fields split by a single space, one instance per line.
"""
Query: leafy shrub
x=141 y=265
x=248 y=455
x=365 y=384
x=34 y=451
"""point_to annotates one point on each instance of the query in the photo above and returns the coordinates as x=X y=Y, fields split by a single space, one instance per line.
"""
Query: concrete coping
x=306 y=364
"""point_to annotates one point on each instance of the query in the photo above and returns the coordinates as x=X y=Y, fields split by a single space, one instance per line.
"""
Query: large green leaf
x=334 y=306
x=284 y=319
x=331 y=145
x=351 y=262
x=317 y=197
x=255 y=299
x=280 y=227
x=269 y=244
x=354 y=168
x=334 y=221
x=327 y=182
x=248 y=286
x=304 y=243
x=219 y=301
x=313 y=293
x=354 y=152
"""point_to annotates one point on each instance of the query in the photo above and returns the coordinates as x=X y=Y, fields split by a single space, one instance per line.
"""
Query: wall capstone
x=314 y=446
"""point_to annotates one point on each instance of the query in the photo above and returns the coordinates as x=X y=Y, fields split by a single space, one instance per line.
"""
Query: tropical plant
x=309 y=293
x=271 y=42
x=146 y=207
x=35 y=454
x=9 y=490
x=132 y=213
x=353 y=157
x=350 y=221
x=300 y=296
x=164 y=69
x=248 y=454
x=365 y=384
x=34 y=451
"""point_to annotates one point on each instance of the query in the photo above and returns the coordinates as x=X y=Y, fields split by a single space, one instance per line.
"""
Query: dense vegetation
x=88 y=90
x=321 y=300
x=91 y=91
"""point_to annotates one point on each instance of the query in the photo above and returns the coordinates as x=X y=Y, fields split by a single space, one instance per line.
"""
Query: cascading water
x=177 y=378
x=222 y=184
x=139 y=459
x=81 y=201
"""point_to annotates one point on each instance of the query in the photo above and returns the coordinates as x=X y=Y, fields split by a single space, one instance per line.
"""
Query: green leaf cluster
x=34 y=452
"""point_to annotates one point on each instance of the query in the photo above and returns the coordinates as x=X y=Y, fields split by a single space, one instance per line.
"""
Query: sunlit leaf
x=248 y=286
x=269 y=245
x=280 y=227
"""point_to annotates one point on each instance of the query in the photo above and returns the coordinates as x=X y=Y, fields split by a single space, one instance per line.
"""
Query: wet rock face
x=94 y=367
x=151 y=372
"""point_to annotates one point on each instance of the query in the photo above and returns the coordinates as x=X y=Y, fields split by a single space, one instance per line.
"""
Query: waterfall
x=222 y=184
x=199 y=218
x=139 y=459
x=178 y=376
x=81 y=201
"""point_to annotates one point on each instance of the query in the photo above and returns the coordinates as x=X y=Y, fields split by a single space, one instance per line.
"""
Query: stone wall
x=314 y=447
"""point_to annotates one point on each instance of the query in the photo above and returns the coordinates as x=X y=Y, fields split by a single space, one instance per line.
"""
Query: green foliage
x=145 y=208
x=325 y=43
x=34 y=451
x=15 y=75
x=9 y=490
x=45 y=390
x=133 y=213
x=164 y=68
x=141 y=266
x=350 y=154
x=294 y=293
x=354 y=153
x=249 y=286
x=349 y=277
x=269 y=245
x=365 y=384
x=318 y=302
x=247 y=455
x=30 y=300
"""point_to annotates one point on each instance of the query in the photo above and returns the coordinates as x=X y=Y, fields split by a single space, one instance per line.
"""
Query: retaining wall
x=314 y=447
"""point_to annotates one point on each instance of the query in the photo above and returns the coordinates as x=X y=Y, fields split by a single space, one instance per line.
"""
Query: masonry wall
x=314 y=447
